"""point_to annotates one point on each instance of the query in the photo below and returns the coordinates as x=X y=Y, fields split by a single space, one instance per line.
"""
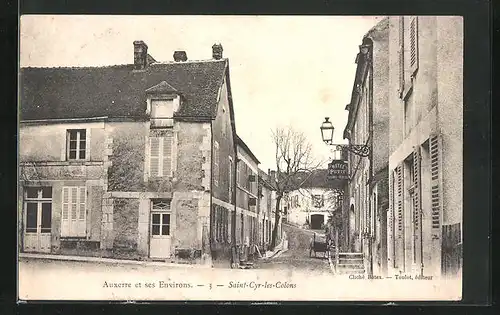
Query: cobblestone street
x=297 y=259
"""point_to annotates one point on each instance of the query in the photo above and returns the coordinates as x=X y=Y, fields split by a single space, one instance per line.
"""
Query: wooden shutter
x=436 y=198
x=74 y=213
x=167 y=153
x=81 y=225
x=65 y=221
x=417 y=206
x=154 y=162
x=401 y=61
x=399 y=219
x=413 y=33
x=390 y=222
x=216 y=163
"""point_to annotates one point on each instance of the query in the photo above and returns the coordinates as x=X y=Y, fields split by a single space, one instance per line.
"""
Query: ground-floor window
x=73 y=220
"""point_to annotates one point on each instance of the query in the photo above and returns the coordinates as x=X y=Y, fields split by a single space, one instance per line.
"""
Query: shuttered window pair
x=396 y=230
x=74 y=212
x=161 y=155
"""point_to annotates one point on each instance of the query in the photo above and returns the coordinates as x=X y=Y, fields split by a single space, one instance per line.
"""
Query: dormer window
x=162 y=109
x=163 y=101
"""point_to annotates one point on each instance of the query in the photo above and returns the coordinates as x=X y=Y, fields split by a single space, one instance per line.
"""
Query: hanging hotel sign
x=338 y=170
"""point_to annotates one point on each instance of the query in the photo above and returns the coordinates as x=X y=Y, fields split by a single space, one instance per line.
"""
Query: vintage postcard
x=241 y=158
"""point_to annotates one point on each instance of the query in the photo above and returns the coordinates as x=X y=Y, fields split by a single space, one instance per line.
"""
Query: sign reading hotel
x=337 y=170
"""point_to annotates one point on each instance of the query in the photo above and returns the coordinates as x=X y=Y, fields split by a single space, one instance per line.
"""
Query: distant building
x=267 y=206
x=313 y=204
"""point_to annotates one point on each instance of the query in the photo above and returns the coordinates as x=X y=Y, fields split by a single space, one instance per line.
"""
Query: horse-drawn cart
x=319 y=244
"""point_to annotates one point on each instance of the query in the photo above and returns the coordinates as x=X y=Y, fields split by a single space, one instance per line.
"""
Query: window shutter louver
x=399 y=241
x=390 y=222
x=436 y=199
x=401 y=58
x=65 y=213
x=414 y=45
x=167 y=153
x=74 y=212
x=417 y=205
x=154 y=165
x=81 y=222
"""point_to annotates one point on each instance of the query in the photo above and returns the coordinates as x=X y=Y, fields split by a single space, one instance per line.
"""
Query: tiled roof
x=315 y=179
x=265 y=179
x=118 y=91
x=162 y=87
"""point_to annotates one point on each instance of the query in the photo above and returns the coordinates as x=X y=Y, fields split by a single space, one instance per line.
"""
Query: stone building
x=129 y=161
x=247 y=200
x=267 y=203
x=368 y=124
x=313 y=204
x=425 y=145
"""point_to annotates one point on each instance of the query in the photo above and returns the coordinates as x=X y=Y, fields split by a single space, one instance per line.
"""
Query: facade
x=267 y=205
x=130 y=161
x=313 y=204
x=247 y=200
x=425 y=145
x=368 y=124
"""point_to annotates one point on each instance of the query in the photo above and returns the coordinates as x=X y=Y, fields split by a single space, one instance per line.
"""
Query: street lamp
x=327 y=136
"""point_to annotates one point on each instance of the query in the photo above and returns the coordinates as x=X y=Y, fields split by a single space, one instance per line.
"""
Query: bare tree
x=294 y=165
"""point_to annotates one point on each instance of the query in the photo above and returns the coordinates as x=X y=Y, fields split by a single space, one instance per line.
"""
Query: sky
x=285 y=70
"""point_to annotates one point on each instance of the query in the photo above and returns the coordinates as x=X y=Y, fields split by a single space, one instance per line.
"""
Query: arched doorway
x=317 y=221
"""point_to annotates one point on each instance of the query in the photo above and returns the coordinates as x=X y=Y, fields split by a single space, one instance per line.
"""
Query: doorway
x=38 y=219
x=317 y=221
x=160 y=223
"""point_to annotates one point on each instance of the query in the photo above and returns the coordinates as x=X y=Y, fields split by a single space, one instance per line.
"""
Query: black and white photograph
x=243 y=158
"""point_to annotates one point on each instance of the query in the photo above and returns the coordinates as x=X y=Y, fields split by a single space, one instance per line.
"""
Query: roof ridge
x=187 y=61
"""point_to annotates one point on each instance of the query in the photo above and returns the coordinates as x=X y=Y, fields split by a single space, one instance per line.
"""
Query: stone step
x=351 y=266
x=346 y=272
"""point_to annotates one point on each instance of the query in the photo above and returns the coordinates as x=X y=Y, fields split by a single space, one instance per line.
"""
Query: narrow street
x=297 y=259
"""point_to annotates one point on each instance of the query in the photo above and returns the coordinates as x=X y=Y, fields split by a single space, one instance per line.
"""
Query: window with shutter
x=401 y=58
x=399 y=219
x=417 y=207
x=74 y=212
x=216 y=163
x=230 y=179
x=154 y=164
x=413 y=45
x=167 y=154
x=160 y=155
x=436 y=201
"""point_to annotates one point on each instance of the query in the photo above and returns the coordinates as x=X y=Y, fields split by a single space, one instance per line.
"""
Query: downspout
x=211 y=217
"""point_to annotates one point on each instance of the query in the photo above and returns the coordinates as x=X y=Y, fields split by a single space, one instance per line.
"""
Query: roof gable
x=161 y=88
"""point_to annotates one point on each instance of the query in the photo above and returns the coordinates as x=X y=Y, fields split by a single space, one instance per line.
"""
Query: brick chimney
x=180 y=55
x=140 y=55
x=217 y=51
